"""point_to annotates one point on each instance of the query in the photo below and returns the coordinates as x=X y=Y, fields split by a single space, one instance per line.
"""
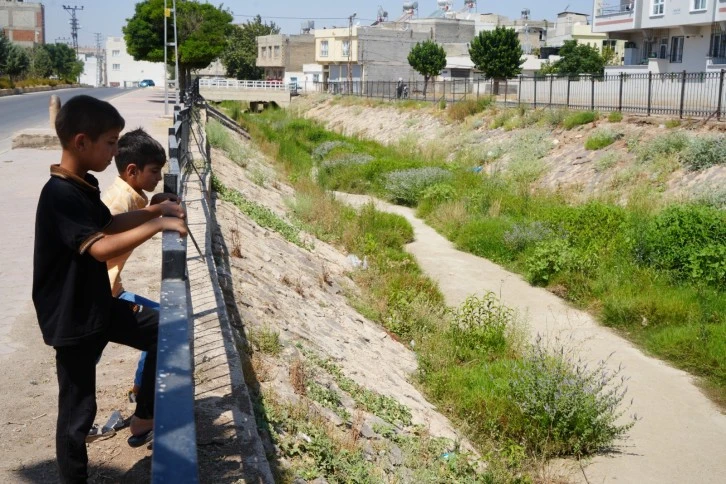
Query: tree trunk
x=495 y=89
x=426 y=83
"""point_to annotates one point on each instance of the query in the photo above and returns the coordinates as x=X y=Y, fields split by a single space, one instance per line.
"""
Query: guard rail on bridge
x=242 y=84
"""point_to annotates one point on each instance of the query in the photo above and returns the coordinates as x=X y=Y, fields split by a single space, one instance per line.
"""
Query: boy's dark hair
x=87 y=115
x=139 y=148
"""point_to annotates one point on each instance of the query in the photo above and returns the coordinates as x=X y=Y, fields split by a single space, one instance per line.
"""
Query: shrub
x=569 y=408
x=579 y=118
x=704 y=151
x=549 y=259
x=439 y=192
x=672 y=123
x=615 y=117
x=601 y=138
x=463 y=109
x=709 y=265
x=502 y=118
x=666 y=145
x=479 y=327
x=524 y=234
x=322 y=150
x=407 y=186
x=6 y=83
x=353 y=159
x=554 y=117
x=605 y=162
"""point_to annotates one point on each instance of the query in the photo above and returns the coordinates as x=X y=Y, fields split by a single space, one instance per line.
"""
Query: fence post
x=683 y=93
x=519 y=91
x=477 y=88
x=592 y=94
x=506 y=89
x=569 y=79
x=535 y=90
x=620 y=95
x=650 y=90
x=720 y=95
x=552 y=80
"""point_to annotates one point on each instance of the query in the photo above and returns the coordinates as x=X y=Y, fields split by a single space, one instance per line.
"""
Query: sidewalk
x=28 y=403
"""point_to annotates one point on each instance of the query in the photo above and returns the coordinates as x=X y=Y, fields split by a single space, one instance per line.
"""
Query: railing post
x=567 y=103
x=683 y=93
x=506 y=88
x=592 y=95
x=720 y=94
x=650 y=90
x=535 y=90
x=477 y=88
x=552 y=80
x=620 y=95
x=519 y=93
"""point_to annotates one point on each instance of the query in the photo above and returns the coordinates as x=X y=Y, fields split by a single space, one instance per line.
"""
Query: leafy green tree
x=202 y=32
x=17 y=62
x=41 y=65
x=240 y=55
x=63 y=61
x=428 y=59
x=4 y=51
x=579 y=59
x=497 y=54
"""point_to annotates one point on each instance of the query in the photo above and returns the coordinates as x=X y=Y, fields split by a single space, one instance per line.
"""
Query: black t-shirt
x=71 y=290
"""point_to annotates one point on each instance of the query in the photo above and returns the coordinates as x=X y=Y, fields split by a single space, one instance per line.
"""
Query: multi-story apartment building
x=22 y=23
x=123 y=71
x=576 y=26
x=282 y=56
x=666 y=35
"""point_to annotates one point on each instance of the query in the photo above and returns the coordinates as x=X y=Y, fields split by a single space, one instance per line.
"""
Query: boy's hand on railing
x=172 y=223
x=171 y=208
x=162 y=197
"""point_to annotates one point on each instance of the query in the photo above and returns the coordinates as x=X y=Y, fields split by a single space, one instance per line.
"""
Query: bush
x=709 y=265
x=323 y=149
x=353 y=159
x=463 y=109
x=502 y=118
x=672 y=123
x=549 y=259
x=554 y=117
x=579 y=118
x=407 y=186
x=665 y=145
x=703 y=152
x=525 y=234
x=479 y=328
x=569 y=409
x=601 y=138
x=615 y=117
x=6 y=83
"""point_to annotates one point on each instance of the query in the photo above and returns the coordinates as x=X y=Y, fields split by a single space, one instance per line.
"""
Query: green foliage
x=579 y=59
x=328 y=398
x=41 y=65
x=202 y=33
x=601 y=138
x=220 y=138
x=5 y=47
x=615 y=117
x=407 y=186
x=463 y=109
x=265 y=340
x=665 y=145
x=17 y=62
x=263 y=216
x=579 y=118
x=497 y=53
x=63 y=60
x=479 y=328
x=240 y=54
x=428 y=59
x=549 y=259
x=672 y=123
x=703 y=152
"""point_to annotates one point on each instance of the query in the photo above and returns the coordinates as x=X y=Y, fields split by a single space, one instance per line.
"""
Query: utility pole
x=350 y=48
x=74 y=24
x=177 y=86
x=99 y=59
x=166 y=65
x=167 y=14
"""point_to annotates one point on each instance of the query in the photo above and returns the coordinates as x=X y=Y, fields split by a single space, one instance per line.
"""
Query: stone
x=36 y=139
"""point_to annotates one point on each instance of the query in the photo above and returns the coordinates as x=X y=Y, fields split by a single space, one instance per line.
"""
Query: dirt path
x=682 y=435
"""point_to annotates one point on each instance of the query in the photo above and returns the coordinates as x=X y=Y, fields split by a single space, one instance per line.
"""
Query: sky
x=109 y=16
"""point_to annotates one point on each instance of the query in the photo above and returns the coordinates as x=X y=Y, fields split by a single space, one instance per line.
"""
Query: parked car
x=147 y=83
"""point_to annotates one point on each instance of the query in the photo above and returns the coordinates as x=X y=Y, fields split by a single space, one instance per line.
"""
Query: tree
x=63 y=61
x=202 y=31
x=240 y=55
x=497 y=54
x=17 y=62
x=578 y=59
x=41 y=65
x=5 y=46
x=428 y=59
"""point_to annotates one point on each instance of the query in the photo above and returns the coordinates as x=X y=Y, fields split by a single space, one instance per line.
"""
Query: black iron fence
x=683 y=94
x=175 y=444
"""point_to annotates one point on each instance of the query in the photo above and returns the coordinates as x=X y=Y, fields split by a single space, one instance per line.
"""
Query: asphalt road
x=31 y=110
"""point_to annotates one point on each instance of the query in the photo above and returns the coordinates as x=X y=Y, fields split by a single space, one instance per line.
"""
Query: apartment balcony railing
x=607 y=10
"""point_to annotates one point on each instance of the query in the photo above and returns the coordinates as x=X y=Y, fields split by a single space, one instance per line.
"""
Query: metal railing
x=616 y=9
x=242 y=84
x=175 y=445
x=682 y=94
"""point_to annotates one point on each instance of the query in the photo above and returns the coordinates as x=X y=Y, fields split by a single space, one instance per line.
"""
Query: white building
x=123 y=71
x=666 y=35
x=90 y=74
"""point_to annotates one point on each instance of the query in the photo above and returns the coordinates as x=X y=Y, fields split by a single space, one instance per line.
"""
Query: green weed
x=615 y=117
x=601 y=138
x=579 y=118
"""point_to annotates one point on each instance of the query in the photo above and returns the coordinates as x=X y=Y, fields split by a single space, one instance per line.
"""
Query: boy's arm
x=113 y=245
x=123 y=222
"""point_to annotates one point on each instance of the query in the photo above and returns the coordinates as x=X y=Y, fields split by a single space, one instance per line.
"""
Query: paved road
x=31 y=110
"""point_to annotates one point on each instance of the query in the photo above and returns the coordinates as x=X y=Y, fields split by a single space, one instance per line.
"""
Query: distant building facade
x=123 y=71
x=283 y=56
x=23 y=23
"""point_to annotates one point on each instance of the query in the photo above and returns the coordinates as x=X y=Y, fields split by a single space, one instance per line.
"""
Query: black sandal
x=139 y=440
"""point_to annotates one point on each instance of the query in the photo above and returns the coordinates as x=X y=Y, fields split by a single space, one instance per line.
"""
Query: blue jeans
x=149 y=304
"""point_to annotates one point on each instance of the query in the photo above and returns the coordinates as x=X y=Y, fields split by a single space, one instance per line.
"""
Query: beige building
x=282 y=56
x=22 y=23
x=575 y=26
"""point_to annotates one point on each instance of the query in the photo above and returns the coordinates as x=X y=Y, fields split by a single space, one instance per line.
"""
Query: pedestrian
x=75 y=235
x=139 y=161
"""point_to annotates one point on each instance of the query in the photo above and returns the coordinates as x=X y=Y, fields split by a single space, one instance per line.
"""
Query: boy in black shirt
x=75 y=235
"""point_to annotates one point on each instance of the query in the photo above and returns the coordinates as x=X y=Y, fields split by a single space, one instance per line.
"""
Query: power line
x=74 y=24
x=302 y=18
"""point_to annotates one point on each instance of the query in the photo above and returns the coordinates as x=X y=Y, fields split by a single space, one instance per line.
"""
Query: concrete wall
x=90 y=69
x=123 y=71
x=445 y=30
x=23 y=23
x=384 y=53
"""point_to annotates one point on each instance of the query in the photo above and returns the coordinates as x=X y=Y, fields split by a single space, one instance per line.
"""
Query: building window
x=316 y=77
x=699 y=4
x=277 y=51
x=677 y=49
x=346 y=48
x=115 y=53
x=717 y=51
x=116 y=67
x=658 y=7
x=323 y=48
x=663 y=49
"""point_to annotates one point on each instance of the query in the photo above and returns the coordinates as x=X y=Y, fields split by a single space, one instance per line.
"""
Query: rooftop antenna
x=444 y=5
x=307 y=26
x=74 y=24
x=99 y=63
x=566 y=8
x=525 y=14
x=409 y=10
x=382 y=15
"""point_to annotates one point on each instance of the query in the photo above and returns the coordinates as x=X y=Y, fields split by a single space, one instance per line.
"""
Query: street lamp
x=350 y=48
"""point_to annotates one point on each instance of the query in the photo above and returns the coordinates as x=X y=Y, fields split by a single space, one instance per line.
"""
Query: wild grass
x=461 y=110
x=601 y=138
x=265 y=340
x=579 y=118
x=615 y=117
x=220 y=138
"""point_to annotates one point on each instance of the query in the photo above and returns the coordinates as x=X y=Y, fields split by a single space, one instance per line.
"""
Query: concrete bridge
x=258 y=93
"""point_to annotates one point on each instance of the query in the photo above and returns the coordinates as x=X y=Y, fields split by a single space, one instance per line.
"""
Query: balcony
x=617 y=16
